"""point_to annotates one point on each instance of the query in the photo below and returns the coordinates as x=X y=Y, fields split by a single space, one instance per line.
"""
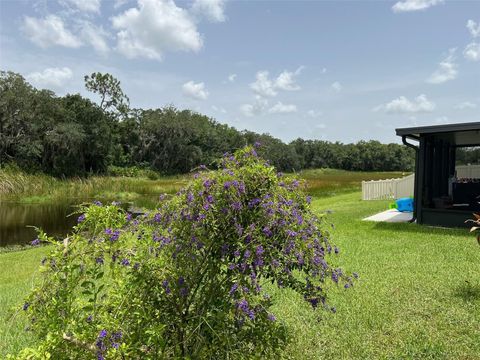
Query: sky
x=329 y=70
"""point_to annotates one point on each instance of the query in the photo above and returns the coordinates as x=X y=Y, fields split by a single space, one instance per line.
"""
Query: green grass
x=331 y=182
x=418 y=296
x=18 y=271
x=16 y=185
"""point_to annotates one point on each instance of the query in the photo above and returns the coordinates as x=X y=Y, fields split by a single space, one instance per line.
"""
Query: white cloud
x=472 y=51
x=155 y=27
x=447 y=69
x=414 y=5
x=402 y=105
x=84 y=5
x=324 y=70
x=280 y=108
x=119 y=3
x=195 y=90
x=314 y=113
x=336 y=86
x=474 y=28
x=263 y=86
x=232 y=77
x=465 y=105
x=95 y=36
x=50 y=77
x=219 y=109
x=48 y=32
x=286 y=80
x=213 y=10
x=256 y=108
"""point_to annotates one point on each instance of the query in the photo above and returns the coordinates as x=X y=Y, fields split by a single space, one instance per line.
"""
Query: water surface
x=56 y=219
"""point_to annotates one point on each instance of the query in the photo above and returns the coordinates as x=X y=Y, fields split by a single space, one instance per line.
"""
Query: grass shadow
x=419 y=229
x=467 y=292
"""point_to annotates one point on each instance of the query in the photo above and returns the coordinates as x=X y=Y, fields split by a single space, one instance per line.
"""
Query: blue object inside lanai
x=404 y=204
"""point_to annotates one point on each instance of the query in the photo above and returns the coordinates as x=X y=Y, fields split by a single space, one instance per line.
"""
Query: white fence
x=388 y=189
x=468 y=171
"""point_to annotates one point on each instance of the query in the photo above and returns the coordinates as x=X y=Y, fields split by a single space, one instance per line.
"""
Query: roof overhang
x=462 y=134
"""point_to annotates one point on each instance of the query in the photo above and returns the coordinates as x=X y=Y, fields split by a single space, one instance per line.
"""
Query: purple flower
x=257 y=144
x=128 y=217
x=102 y=334
x=183 y=292
x=157 y=218
x=81 y=218
x=334 y=277
x=347 y=285
x=35 y=242
x=227 y=185
x=98 y=203
x=189 y=197
x=253 y=202
x=125 y=262
x=165 y=286
x=309 y=199
x=207 y=183
x=99 y=260
x=210 y=199
x=271 y=317
x=236 y=205
x=90 y=318
x=336 y=250
x=266 y=230
x=26 y=306
x=313 y=302
x=233 y=288
x=291 y=233
x=259 y=251
x=117 y=335
x=247 y=254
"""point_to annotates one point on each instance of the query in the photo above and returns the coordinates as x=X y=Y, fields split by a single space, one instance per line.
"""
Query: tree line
x=73 y=136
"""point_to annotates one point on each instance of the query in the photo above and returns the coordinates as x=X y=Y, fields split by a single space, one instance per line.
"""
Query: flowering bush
x=185 y=280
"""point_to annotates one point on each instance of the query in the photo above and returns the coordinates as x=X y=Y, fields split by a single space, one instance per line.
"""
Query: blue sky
x=331 y=70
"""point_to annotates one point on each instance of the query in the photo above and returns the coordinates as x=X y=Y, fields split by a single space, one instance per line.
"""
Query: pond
x=56 y=219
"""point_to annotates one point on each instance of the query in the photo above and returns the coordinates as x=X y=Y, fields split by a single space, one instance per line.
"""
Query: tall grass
x=16 y=185
x=330 y=182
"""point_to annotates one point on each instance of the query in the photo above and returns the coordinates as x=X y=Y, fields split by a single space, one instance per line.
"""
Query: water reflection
x=15 y=219
x=54 y=219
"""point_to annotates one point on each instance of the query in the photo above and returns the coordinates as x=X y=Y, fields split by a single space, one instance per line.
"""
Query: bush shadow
x=416 y=228
x=467 y=292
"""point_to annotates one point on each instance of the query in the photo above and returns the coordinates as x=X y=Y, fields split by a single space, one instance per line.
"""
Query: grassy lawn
x=418 y=296
x=17 y=276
